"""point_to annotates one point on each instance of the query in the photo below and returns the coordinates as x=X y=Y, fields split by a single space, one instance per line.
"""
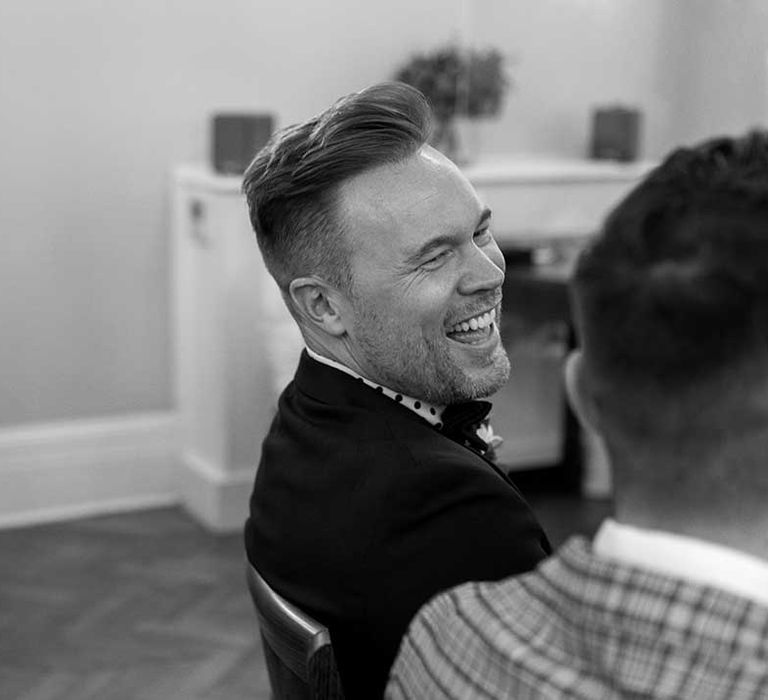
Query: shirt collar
x=431 y=413
x=688 y=557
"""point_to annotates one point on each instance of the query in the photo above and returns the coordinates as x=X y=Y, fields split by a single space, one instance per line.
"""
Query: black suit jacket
x=362 y=511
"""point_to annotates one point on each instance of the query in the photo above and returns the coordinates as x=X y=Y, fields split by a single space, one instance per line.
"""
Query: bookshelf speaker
x=236 y=138
x=615 y=134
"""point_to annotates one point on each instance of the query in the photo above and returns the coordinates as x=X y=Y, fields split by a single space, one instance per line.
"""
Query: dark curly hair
x=672 y=295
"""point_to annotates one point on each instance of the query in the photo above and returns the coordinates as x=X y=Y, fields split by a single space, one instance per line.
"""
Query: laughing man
x=374 y=491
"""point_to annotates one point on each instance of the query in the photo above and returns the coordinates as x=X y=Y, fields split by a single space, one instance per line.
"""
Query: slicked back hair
x=292 y=184
x=672 y=295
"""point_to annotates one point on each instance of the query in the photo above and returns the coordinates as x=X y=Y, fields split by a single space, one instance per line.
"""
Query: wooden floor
x=144 y=605
x=148 y=606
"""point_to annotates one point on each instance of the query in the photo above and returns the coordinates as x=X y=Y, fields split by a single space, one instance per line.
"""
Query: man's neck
x=338 y=353
x=713 y=503
x=715 y=490
x=432 y=413
x=733 y=526
x=692 y=558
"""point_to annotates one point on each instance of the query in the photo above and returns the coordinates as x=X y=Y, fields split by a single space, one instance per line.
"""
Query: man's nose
x=484 y=270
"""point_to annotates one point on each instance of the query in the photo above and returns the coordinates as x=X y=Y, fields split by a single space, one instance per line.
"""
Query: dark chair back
x=297 y=648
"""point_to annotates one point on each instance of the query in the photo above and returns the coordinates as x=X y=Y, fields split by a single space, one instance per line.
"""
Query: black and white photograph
x=384 y=350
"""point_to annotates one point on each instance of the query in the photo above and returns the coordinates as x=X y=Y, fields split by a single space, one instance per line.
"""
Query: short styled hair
x=672 y=295
x=292 y=184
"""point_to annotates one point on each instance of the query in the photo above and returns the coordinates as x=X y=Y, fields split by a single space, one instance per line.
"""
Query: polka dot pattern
x=428 y=412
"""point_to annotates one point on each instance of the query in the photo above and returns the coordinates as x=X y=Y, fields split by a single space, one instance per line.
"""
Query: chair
x=297 y=648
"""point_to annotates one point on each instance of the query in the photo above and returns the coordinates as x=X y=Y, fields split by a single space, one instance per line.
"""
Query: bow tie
x=461 y=421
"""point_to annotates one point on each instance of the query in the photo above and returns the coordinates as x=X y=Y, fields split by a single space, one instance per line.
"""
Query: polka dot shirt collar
x=429 y=412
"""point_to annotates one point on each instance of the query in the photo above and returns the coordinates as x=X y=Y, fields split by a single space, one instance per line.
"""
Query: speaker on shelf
x=235 y=139
x=615 y=133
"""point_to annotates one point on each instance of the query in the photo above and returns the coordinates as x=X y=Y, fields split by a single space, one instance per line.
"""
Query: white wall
x=694 y=67
x=722 y=74
x=568 y=56
x=97 y=101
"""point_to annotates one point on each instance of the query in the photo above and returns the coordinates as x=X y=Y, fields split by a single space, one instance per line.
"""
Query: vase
x=457 y=138
x=446 y=139
x=469 y=135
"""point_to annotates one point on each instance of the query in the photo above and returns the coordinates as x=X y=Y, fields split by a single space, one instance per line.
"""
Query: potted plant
x=457 y=82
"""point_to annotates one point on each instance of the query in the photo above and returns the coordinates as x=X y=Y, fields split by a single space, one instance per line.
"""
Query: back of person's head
x=671 y=300
x=292 y=184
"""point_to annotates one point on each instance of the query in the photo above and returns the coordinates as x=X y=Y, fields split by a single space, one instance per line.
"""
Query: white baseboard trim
x=73 y=469
x=217 y=498
x=63 y=471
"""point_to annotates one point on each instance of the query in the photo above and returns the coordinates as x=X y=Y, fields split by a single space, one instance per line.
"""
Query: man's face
x=425 y=301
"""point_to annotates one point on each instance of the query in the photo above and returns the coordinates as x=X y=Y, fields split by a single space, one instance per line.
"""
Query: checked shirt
x=585 y=628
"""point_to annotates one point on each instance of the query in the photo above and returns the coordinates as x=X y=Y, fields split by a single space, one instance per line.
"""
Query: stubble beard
x=423 y=367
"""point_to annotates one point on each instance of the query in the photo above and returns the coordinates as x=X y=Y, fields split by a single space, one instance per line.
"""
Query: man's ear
x=579 y=392
x=318 y=305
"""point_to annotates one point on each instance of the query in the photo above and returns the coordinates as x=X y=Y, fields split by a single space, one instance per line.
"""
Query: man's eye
x=483 y=236
x=436 y=260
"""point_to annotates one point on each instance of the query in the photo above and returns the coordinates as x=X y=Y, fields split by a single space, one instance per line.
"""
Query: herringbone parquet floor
x=141 y=606
x=148 y=606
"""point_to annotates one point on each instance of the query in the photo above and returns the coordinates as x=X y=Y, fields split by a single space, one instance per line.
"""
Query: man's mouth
x=474 y=329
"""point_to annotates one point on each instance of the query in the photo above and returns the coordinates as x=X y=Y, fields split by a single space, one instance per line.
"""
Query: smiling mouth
x=475 y=329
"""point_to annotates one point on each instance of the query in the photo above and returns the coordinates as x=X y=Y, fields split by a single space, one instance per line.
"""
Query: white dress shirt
x=687 y=557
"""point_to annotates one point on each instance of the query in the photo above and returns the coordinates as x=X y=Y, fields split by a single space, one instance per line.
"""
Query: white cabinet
x=236 y=345
x=534 y=198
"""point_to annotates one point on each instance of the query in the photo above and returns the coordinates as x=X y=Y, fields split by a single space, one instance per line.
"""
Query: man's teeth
x=476 y=322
